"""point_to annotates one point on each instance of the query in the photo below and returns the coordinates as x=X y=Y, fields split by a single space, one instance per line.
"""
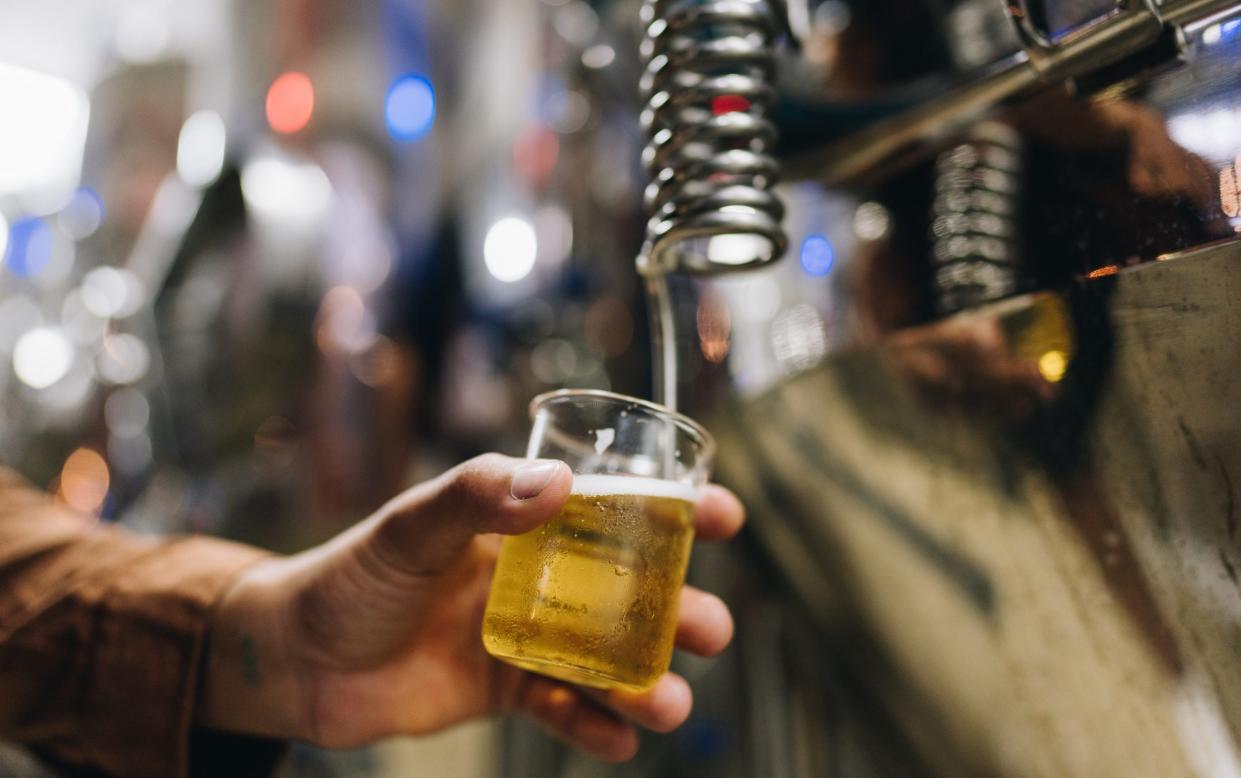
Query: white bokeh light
x=598 y=56
x=510 y=249
x=42 y=357
x=200 y=148
x=4 y=237
x=285 y=191
x=124 y=359
x=41 y=138
x=111 y=293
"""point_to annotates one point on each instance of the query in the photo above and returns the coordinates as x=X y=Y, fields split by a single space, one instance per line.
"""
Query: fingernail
x=529 y=480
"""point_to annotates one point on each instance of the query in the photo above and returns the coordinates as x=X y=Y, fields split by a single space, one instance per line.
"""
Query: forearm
x=101 y=635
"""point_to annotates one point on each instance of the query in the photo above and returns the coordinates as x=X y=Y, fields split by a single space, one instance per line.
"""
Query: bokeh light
x=871 y=221
x=510 y=248
x=409 y=109
x=42 y=357
x=42 y=137
x=127 y=412
x=345 y=325
x=1225 y=31
x=598 y=56
x=286 y=191
x=124 y=359
x=83 y=215
x=84 y=481
x=1052 y=365
x=553 y=361
x=111 y=293
x=200 y=148
x=535 y=153
x=4 y=236
x=567 y=111
x=576 y=22
x=30 y=247
x=817 y=256
x=290 y=102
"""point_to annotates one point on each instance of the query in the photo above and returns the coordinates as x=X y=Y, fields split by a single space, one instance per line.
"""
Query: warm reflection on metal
x=1034 y=560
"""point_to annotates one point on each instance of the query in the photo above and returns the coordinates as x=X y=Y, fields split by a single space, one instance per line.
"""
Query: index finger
x=718 y=514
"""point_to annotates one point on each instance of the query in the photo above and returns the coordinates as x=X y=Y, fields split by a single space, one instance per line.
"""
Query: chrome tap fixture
x=708 y=94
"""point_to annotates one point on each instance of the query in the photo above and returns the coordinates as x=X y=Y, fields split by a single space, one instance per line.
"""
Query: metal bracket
x=1133 y=25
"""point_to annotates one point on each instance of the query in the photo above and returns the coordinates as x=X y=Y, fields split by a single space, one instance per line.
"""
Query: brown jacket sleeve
x=101 y=635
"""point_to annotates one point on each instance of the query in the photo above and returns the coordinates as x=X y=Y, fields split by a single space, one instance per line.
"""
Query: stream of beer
x=663 y=341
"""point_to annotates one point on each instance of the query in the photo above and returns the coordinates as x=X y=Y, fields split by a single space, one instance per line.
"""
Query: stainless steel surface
x=1033 y=510
x=1043 y=63
x=1096 y=44
x=851 y=160
x=707 y=92
x=1189 y=12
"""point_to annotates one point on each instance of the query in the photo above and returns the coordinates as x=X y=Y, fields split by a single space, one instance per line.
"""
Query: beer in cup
x=591 y=596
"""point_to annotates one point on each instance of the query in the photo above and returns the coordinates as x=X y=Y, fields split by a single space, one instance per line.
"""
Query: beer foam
x=638 y=486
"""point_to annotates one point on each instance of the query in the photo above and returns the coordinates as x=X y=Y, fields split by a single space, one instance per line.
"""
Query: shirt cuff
x=147 y=648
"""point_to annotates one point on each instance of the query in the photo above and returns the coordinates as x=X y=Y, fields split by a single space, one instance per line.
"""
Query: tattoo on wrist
x=250 y=662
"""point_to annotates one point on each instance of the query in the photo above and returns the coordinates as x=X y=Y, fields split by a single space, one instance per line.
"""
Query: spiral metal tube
x=976 y=248
x=709 y=64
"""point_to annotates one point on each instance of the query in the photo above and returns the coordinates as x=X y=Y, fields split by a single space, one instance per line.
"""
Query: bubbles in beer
x=591 y=596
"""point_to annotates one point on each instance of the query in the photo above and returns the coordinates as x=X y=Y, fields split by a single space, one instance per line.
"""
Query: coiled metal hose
x=709 y=64
x=976 y=248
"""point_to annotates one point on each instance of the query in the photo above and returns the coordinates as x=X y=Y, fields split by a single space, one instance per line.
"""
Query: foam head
x=638 y=486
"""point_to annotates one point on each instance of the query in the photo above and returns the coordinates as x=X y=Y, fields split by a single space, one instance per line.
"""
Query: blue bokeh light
x=30 y=247
x=409 y=109
x=817 y=255
x=84 y=213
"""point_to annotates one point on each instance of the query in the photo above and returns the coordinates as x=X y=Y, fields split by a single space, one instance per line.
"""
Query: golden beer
x=591 y=596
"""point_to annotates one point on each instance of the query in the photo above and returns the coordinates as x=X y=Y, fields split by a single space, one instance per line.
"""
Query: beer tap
x=708 y=94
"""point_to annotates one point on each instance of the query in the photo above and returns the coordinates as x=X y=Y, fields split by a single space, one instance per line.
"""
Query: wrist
x=249 y=680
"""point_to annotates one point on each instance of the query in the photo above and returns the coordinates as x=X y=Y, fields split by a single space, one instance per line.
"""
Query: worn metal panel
x=1032 y=556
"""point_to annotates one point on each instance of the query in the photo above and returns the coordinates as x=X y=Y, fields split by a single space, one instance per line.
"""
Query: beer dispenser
x=992 y=470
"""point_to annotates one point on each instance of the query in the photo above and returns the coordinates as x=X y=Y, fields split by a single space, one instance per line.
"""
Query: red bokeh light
x=290 y=102
x=723 y=104
x=535 y=153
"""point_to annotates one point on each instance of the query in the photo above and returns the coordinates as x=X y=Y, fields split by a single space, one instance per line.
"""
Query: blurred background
x=265 y=263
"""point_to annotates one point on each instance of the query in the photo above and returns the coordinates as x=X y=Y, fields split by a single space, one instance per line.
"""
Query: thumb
x=425 y=529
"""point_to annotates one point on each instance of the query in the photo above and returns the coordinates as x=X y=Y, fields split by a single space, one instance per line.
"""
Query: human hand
x=377 y=632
